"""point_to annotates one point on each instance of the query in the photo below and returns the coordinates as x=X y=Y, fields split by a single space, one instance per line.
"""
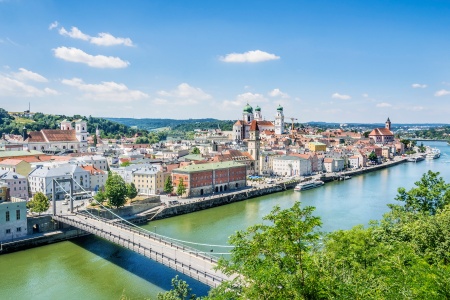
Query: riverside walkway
x=186 y=260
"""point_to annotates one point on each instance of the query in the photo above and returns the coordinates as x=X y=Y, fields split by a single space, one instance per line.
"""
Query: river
x=91 y=268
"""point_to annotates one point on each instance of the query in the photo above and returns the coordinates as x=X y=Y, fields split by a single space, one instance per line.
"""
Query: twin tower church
x=241 y=129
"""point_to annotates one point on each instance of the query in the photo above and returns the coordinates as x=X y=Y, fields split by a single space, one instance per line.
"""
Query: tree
x=40 y=203
x=131 y=191
x=422 y=148
x=125 y=164
x=95 y=140
x=274 y=260
x=100 y=197
x=115 y=190
x=181 y=189
x=168 y=185
x=373 y=157
x=180 y=291
x=430 y=194
x=195 y=150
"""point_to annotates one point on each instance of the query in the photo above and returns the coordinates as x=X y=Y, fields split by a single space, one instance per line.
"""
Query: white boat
x=308 y=185
x=433 y=153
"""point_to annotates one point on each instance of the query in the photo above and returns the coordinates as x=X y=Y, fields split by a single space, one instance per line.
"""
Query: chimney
x=24 y=133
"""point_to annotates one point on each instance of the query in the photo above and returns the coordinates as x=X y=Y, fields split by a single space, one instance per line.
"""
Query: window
x=7 y=216
x=8 y=231
x=19 y=229
x=18 y=214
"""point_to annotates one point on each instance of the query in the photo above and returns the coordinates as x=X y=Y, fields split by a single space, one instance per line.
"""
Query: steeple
x=388 y=124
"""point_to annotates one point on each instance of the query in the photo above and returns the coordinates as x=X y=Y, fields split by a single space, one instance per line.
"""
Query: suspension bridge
x=168 y=251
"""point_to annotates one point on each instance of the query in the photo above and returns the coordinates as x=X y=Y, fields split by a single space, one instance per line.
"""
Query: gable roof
x=380 y=131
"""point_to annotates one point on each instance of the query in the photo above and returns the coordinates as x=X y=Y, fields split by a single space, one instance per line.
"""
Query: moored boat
x=308 y=185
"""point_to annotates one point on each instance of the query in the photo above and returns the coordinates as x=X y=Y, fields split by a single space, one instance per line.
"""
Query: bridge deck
x=176 y=256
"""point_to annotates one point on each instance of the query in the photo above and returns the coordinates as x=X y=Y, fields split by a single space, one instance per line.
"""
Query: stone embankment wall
x=210 y=202
x=127 y=211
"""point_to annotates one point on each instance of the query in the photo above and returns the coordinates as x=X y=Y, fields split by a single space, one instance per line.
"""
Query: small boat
x=302 y=186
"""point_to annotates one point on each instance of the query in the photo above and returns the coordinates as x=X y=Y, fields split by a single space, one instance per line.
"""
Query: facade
x=266 y=163
x=13 y=219
x=40 y=180
x=333 y=164
x=316 y=147
x=17 y=184
x=254 y=145
x=97 y=179
x=210 y=178
x=4 y=192
x=291 y=166
x=148 y=181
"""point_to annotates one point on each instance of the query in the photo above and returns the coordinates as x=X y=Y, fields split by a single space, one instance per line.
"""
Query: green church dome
x=280 y=108
x=258 y=108
x=248 y=109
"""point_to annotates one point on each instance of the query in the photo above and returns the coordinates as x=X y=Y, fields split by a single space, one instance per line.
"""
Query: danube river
x=90 y=268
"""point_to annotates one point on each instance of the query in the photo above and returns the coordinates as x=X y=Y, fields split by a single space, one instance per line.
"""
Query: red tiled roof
x=36 y=137
x=11 y=162
x=380 y=131
x=265 y=123
x=254 y=126
x=328 y=160
x=57 y=135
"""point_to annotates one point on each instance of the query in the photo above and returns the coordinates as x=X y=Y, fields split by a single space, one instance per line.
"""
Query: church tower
x=258 y=115
x=66 y=125
x=81 y=132
x=254 y=144
x=247 y=114
x=279 y=121
x=388 y=124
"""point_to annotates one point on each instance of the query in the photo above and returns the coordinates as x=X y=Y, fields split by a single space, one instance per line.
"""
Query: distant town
x=212 y=162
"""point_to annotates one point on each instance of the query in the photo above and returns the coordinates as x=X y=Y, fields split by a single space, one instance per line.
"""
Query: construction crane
x=292 y=120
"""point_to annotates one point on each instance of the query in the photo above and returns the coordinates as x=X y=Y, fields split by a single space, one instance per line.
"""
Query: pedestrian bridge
x=184 y=259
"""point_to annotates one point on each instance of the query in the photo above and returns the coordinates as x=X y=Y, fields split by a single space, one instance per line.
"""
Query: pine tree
x=181 y=189
x=168 y=185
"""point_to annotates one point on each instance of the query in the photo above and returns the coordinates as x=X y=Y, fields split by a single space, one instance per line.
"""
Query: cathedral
x=241 y=129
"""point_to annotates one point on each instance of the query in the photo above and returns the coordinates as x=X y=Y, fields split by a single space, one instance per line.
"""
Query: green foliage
x=373 y=157
x=274 y=260
x=39 y=203
x=181 y=189
x=116 y=190
x=168 y=185
x=180 y=291
x=430 y=194
x=125 y=164
x=131 y=191
x=195 y=150
x=422 y=148
x=100 y=197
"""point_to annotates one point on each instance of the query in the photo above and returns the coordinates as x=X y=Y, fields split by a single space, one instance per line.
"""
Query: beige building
x=16 y=165
x=316 y=146
x=148 y=181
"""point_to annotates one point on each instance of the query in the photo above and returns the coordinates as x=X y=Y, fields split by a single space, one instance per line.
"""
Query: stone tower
x=388 y=124
x=253 y=145
x=258 y=115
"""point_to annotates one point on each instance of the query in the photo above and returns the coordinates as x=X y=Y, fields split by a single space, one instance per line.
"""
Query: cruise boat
x=433 y=153
x=308 y=185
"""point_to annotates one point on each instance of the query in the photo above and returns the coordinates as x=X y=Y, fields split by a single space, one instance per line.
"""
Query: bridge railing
x=154 y=236
x=187 y=269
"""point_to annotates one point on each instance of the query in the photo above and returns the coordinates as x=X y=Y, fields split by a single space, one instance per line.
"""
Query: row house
x=40 y=180
x=13 y=219
x=291 y=166
x=266 y=162
x=17 y=184
x=97 y=179
x=333 y=164
x=210 y=178
x=16 y=165
x=149 y=180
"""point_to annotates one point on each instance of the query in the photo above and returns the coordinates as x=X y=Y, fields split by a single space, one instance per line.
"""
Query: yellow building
x=148 y=181
x=316 y=146
x=16 y=165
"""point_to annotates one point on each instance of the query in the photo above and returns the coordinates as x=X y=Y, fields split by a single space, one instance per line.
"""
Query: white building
x=291 y=166
x=61 y=139
x=241 y=129
x=97 y=161
x=148 y=181
x=13 y=219
x=40 y=180
x=279 y=121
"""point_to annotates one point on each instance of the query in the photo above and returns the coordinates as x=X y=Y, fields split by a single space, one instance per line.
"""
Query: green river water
x=91 y=268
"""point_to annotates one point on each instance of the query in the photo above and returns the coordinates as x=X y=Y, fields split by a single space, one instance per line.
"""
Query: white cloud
x=339 y=96
x=418 y=86
x=250 y=56
x=278 y=93
x=441 y=93
x=10 y=86
x=384 y=104
x=74 y=33
x=25 y=75
x=53 y=25
x=102 y=39
x=242 y=99
x=365 y=95
x=97 y=61
x=185 y=94
x=105 y=91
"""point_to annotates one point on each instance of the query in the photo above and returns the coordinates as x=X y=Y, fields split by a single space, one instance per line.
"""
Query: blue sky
x=333 y=61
